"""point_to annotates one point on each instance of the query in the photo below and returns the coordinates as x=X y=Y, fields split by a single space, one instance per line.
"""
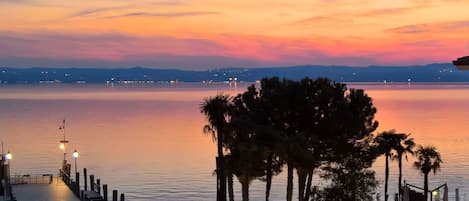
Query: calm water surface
x=147 y=141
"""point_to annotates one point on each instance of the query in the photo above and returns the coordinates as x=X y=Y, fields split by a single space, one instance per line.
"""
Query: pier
x=61 y=187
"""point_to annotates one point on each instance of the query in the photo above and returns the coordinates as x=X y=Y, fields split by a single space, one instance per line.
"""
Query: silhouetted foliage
x=216 y=110
x=405 y=146
x=385 y=143
x=311 y=125
x=350 y=181
x=428 y=159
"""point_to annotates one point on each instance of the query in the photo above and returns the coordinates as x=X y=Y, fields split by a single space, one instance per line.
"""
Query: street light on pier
x=8 y=156
x=75 y=156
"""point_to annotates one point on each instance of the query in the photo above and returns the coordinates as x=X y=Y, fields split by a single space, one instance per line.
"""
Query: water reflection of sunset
x=150 y=140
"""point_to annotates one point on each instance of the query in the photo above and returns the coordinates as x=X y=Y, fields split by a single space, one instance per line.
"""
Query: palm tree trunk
x=386 y=178
x=308 y=185
x=245 y=188
x=221 y=168
x=301 y=183
x=217 y=170
x=425 y=186
x=230 y=186
x=289 y=181
x=268 y=182
x=400 y=178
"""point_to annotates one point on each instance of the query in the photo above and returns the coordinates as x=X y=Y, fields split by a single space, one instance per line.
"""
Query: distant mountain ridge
x=443 y=72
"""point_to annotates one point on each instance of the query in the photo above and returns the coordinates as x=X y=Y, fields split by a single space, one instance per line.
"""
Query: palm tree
x=428 y=159
x=216 y=110
x=406 y=145
x=385 y=144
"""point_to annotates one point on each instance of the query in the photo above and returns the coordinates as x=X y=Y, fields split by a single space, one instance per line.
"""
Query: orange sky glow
x=205 y=34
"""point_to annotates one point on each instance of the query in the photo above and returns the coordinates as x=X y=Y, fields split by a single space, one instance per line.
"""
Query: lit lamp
x=75 y=156
x=62 y=146
x=8 y=156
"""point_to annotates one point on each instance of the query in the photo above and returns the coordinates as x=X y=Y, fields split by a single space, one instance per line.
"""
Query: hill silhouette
x=444 y=72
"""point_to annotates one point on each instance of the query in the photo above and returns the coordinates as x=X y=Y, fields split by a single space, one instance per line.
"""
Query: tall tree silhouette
x=348 y=125
x=249 y=111
x=278 y=96
x=404 y=146
x=304 y=124
x=428 y=159
x=216 y=110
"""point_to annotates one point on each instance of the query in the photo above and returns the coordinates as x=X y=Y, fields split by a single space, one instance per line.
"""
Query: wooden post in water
x=114 y=195
x=77 y=187
x=92 y=183
x=2 y=176
x=98 y=182
x=457 y=194
x=122 y=197
x=105 y=192
x=82 y=195
x=85 y=181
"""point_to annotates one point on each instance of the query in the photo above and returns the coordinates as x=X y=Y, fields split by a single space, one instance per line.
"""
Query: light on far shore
x=75 y=154
x=9 y=156
x=62 y=146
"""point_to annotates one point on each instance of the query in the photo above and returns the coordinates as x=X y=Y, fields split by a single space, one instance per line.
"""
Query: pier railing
x=94 y=192
x=31 y=179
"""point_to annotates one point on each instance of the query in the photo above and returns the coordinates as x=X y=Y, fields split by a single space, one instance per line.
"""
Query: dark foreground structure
x=462 y=63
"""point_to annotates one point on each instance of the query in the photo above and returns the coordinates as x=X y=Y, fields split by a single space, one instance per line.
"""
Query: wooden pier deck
x=57 y=191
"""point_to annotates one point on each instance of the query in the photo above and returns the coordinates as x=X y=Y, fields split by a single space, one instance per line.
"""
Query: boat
x=462 y=63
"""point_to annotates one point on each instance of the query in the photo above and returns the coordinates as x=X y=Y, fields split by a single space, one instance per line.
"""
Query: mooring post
x=92 y=183
x=82 y=195
x=114 y=195
x=457 y=194
x=122 y=197
x=77 y=178
x=85 y=179
x=98 y=187
x=105 y=192
x=2 y=176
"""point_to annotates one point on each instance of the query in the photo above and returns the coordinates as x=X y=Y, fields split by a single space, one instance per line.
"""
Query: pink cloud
x=222 y=50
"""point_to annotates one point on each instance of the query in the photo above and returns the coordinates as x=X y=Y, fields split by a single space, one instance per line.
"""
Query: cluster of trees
x=303 y=126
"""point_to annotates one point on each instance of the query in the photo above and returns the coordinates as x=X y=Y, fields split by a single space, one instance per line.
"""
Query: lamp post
x=63 y=142
x=75 y=156
x=63 y=145
x=8 y=157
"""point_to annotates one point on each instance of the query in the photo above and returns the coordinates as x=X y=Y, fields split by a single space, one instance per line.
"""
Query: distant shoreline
x=432 y=73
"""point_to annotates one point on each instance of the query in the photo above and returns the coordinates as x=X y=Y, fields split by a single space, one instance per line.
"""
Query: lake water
x=147 y=140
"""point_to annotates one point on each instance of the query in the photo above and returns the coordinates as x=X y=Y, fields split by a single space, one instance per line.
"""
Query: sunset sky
x=205 y=34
